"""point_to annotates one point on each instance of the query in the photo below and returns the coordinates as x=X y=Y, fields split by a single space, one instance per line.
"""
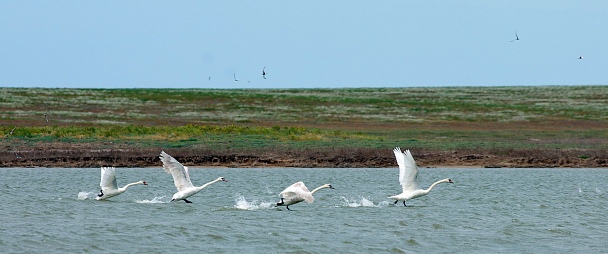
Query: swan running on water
x=108 y=184
x=408 y=177
x=297 y=193
x=181 y=178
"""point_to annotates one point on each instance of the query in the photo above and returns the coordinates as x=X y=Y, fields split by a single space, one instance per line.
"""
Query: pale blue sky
x=302 y=44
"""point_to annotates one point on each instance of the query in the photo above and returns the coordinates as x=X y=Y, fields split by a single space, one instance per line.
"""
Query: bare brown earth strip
x=88 y=155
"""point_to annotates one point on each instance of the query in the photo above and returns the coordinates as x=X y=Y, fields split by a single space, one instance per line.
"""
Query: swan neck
x=318 y=188
x=209 y=183
x=129 y=185
x=433 y=185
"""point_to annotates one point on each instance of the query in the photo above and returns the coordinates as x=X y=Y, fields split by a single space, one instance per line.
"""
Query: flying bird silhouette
x=264 y=72
x=516 y=37
x=234 y=75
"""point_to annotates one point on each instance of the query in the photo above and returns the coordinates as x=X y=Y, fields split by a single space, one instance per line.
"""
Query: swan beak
x=145 y=183
x=224 y=179
x=450 y=181
x=331 y=187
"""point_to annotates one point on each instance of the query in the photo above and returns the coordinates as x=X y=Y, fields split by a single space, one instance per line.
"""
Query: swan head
x=221 y=179
x=143 y=182
x=449 y=180
x=328 y=186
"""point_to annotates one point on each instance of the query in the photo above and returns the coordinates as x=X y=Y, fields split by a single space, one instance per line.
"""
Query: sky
x=302 y=44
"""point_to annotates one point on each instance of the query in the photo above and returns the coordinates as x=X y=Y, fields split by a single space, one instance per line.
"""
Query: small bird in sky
x=264 y=72
x=580 y=57
x=516 y=37
x=234 y=75
x=46 y=115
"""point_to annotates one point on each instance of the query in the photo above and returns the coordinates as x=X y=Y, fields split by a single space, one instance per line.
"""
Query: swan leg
x=288 y=208
x=396 y=202
x=404 y=203
x=100 y=193
x=188 y=201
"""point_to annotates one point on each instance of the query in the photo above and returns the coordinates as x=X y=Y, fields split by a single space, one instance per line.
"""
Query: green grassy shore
x=546 y=126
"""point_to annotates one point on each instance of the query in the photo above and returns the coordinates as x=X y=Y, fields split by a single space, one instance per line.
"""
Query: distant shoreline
x=53 y=155
x=493 y=127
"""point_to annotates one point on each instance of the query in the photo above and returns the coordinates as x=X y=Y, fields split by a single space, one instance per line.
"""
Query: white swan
x=181 y=178
x=297 y=193
x=108 y=184
x=408 y=177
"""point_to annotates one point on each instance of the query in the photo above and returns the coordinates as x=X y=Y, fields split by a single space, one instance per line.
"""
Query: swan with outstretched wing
x=408 y=177
x=108 y=184
x=297 y=193
x=181 y=178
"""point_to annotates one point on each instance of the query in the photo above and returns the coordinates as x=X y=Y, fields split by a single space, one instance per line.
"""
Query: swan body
x=408 y=177
x=297 y=193
x=108 y=184
x=181 y=178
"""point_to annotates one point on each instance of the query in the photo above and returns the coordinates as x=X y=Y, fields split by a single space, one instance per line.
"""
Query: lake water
x=485 y=210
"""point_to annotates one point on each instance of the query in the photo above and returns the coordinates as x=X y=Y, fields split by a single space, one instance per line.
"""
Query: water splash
x=243 y=204
x=83 y=195
x=362 y=202
x=155 y=200
x=384 y=204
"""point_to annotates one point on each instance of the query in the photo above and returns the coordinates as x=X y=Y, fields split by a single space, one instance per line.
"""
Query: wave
x=586 y=186
x=84 y=195
x=362 y=202
x=155 y=200
x=243 y=204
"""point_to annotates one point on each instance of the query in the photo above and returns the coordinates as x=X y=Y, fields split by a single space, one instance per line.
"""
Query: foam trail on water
x=364 y=202
x=384 y=204
x=155 y=200
x=83 y=195
x=243 y=204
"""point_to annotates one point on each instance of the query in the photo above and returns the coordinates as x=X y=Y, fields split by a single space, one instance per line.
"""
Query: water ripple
x=486 y=211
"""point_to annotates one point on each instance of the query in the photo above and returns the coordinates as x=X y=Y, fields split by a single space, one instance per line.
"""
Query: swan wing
x=408 y=170
x=297 y=190
x=108 y=178
x=181 y=176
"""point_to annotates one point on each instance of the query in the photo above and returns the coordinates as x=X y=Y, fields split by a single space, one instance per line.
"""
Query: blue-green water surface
x=52 y=210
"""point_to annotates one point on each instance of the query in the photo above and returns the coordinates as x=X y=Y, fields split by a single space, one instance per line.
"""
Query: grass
x=255 y=106
x=497 y=119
